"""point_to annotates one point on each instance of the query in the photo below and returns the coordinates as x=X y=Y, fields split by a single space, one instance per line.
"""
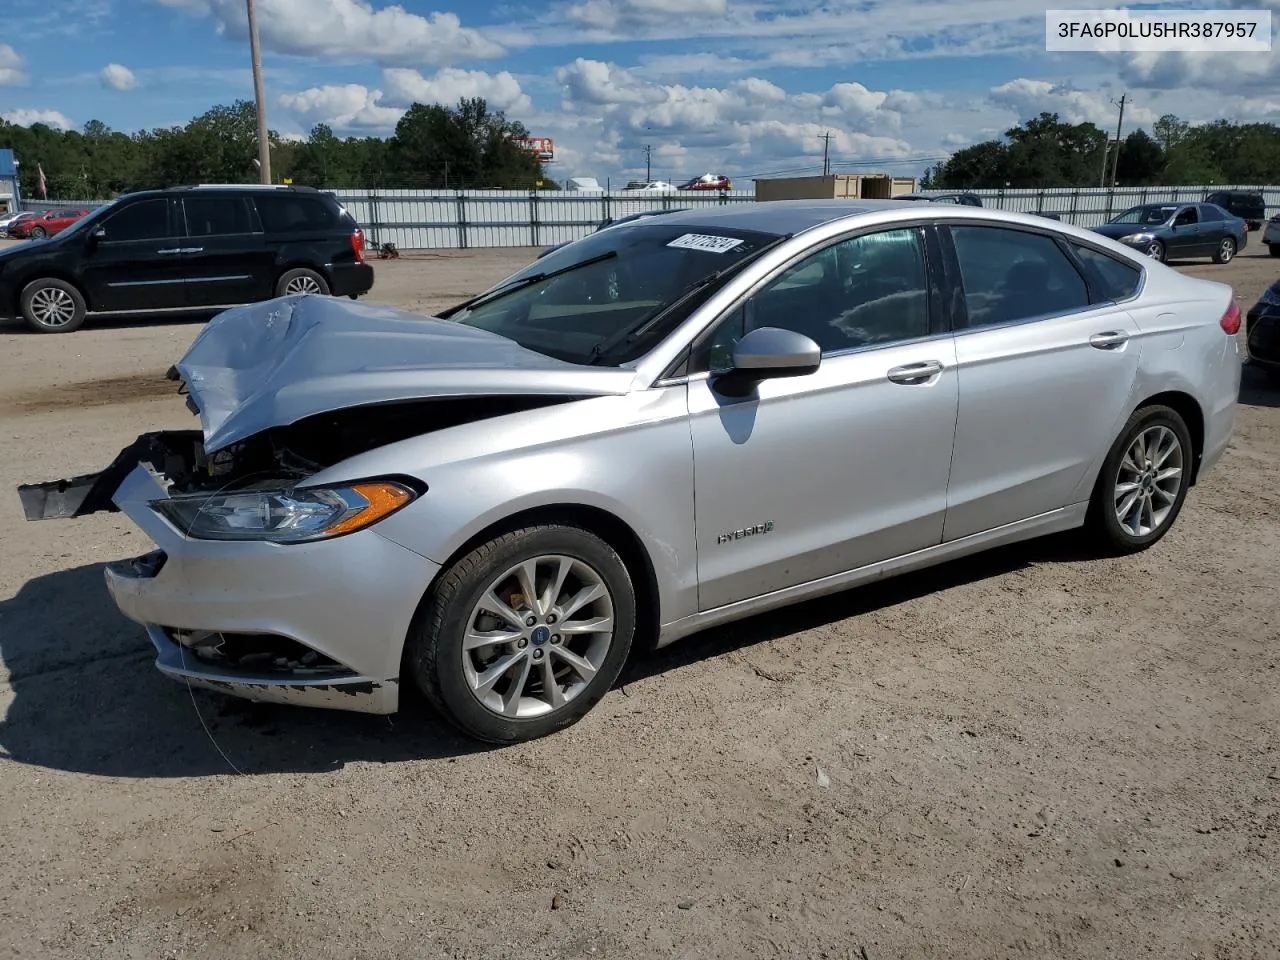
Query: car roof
x=797 y=216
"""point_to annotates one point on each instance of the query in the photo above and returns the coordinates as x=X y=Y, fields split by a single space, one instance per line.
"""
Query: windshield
x=607 y=283
x=1151 y=215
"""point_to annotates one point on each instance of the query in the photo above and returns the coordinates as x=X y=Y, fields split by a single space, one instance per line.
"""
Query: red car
x=47 y=224
x=708 y=181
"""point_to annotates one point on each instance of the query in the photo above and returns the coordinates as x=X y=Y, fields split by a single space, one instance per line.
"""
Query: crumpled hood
x=273 y=363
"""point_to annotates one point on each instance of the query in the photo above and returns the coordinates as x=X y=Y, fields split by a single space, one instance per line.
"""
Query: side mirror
x=97 y=233
x=767 y=353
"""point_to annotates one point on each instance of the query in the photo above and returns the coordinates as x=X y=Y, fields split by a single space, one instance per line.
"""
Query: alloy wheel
x=1156 y=251
x=52 y=307
x=1149 y=480
x=302 y=285
x=538 y=636
x=1226 y=250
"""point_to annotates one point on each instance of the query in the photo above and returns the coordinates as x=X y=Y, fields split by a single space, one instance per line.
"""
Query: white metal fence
x=1089 y=207
x=418 y=220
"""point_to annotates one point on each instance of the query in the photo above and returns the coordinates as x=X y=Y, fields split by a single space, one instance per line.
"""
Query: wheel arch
x=610 y=528
x=1189 y=409
x=25 y=280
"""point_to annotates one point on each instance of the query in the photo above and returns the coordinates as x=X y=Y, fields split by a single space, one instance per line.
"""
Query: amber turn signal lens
x=383 y=498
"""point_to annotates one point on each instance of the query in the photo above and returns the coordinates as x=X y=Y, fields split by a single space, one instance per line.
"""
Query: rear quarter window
x=289 y=213
x=1115 y=279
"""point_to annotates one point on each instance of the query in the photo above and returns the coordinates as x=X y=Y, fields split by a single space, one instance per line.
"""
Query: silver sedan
x=663 y=426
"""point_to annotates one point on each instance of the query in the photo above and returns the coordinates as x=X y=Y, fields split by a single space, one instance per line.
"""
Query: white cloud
x=25 y=117
x=1029 y=98
x=118 y=77
x=751 y=123
x=350 y=106
x=501 y=91
x=11 y=67
x=350 y=30
x=612 y=14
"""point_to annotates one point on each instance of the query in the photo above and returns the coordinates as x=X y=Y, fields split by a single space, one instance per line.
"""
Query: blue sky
x=742 y=87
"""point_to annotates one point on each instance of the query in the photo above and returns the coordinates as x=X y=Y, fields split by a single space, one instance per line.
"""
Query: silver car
x=663 y=426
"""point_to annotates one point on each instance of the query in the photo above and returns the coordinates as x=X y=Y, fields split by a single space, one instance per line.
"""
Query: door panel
x=225 y=256
x=137 y=265
x=844 y=467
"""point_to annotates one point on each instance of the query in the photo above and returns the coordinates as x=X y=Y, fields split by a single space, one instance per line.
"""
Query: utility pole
x=826 y=153
x=264 y=144
x=1115 y=163
x=648 y=154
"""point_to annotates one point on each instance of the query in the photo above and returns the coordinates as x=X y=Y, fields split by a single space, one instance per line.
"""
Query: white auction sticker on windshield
x=699 y=241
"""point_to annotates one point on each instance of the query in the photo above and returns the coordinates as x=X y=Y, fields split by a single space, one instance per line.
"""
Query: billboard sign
x=544 y=148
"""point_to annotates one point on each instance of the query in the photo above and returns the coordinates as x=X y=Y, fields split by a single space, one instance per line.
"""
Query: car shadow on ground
x=87 y=699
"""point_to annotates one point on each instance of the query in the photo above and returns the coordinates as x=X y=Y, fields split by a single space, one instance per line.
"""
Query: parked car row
x=186 y=248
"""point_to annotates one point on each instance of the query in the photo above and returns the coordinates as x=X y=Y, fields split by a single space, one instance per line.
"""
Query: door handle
x=170 y=251
x=193 y=249
x=1109 y=340
x=915 y=372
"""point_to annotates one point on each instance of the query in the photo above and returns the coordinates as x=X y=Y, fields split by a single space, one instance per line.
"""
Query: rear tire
x=52 y=306
x=301 y=281
x=1135 y=482
x=514 y=704
x=1226 y=250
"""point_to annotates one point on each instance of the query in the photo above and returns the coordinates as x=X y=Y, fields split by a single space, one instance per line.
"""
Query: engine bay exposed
x=280 y=456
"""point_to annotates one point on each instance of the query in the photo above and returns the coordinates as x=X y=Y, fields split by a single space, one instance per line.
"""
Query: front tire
x=1274 y=249
x=1226 y=251
x=1143 y=482
x=38 y=233
x=522 y=636
x=1156 y=251
x=301 y=280
x=52 y=306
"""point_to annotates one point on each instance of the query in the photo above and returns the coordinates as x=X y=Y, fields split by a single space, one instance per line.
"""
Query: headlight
x=285 y=516
x=1138 y=238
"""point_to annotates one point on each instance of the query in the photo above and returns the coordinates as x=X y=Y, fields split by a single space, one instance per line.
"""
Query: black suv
x=1249 y=207
x=186 y=248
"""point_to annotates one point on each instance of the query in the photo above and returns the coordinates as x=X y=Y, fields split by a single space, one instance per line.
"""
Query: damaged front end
x=262 y=585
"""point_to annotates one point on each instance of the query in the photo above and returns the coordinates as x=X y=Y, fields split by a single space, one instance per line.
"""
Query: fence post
x=461 y=202
x=1111 y=199
x=1075 y=206
x=533 y=217
x=1145 y=191
x=375 y=228
x=1040 y=201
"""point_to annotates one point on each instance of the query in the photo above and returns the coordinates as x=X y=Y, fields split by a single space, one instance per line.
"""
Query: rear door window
x=290 y=213
x=216 y=216
x=1015 y=275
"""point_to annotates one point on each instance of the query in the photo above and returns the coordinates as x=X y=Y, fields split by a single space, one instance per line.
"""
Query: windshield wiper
x=523 y=282
x=634 y=331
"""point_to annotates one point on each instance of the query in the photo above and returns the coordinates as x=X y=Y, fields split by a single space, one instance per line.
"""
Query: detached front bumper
x=318 y=624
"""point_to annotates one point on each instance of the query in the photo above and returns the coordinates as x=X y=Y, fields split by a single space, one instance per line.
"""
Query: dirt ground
x=1029 y=754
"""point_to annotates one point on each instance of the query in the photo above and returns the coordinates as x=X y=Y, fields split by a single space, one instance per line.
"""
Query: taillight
x=1231 y=319
x=357 y=246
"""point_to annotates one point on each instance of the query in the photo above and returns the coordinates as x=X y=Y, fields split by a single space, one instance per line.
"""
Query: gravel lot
x=1030 y=754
